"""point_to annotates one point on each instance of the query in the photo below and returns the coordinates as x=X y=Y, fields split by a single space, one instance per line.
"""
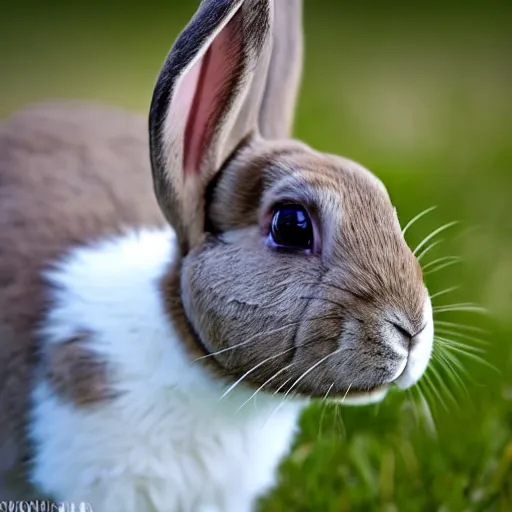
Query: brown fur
x=75 y=373
x=69 y=173
x=171 y=293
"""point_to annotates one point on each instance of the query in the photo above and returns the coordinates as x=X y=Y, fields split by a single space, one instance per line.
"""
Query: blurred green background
x=420 y=94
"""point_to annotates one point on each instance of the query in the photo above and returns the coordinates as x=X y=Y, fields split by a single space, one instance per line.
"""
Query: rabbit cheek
x=244 y=304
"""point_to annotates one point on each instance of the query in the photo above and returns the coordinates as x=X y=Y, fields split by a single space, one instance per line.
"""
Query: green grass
x=420 y=96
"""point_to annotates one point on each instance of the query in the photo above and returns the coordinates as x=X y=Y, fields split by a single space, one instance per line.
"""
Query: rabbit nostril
x=404 y=332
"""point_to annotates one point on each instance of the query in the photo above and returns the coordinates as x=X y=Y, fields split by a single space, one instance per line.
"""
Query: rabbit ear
x=198 y=115
x=285 y=71
x=282 y=76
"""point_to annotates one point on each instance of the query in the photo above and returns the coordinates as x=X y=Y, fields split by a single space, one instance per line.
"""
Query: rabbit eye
x=291 y=228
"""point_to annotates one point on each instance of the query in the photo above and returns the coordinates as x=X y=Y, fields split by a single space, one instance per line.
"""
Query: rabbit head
x=294 y=274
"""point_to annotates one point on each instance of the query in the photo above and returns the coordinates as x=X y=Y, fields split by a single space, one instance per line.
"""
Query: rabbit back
x=70 y=173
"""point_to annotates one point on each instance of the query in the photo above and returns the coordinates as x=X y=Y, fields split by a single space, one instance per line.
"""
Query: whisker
x=440 y=260
x=411 y=400
x=443 y=292
x=470 y=355
x=463 y=304
x=443 y=385
x=461 y=326
x=346 y=392
x=454 y=360
x=433 y=389
x=276 y=392
x=328 y=391
x=451 y=371
x=463 y=346
x=474 y=357
x=338 y=411
x=462 y=335
x=243 y=343
x=261 y=363
x=440 y=267
x=417 y=218
x=324 y=407
x=425 y=389
x=265 y=333
x=427 y=413
x=309 y=370
x=433 y=234
x=280 y=403
x=474 y=308
x=265 y=383
x=428 y=249
x=339 y=419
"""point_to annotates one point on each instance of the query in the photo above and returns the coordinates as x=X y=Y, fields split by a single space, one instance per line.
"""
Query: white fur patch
x=167 y=443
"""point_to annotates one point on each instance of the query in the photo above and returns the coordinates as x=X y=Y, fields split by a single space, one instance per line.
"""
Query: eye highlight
x=291 y=228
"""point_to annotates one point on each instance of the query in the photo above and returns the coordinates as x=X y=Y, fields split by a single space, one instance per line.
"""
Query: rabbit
x=164 y=321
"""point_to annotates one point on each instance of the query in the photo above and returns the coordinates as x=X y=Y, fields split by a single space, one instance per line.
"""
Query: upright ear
x=285 y=71
x=198 y=115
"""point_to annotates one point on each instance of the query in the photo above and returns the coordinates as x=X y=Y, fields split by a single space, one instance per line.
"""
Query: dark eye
x=291 y=228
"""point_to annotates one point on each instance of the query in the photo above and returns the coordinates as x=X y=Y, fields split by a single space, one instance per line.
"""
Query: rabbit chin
x=371 y=397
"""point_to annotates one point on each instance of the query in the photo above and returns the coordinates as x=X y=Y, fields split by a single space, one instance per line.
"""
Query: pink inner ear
x=182 y=102
x=205 y=93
